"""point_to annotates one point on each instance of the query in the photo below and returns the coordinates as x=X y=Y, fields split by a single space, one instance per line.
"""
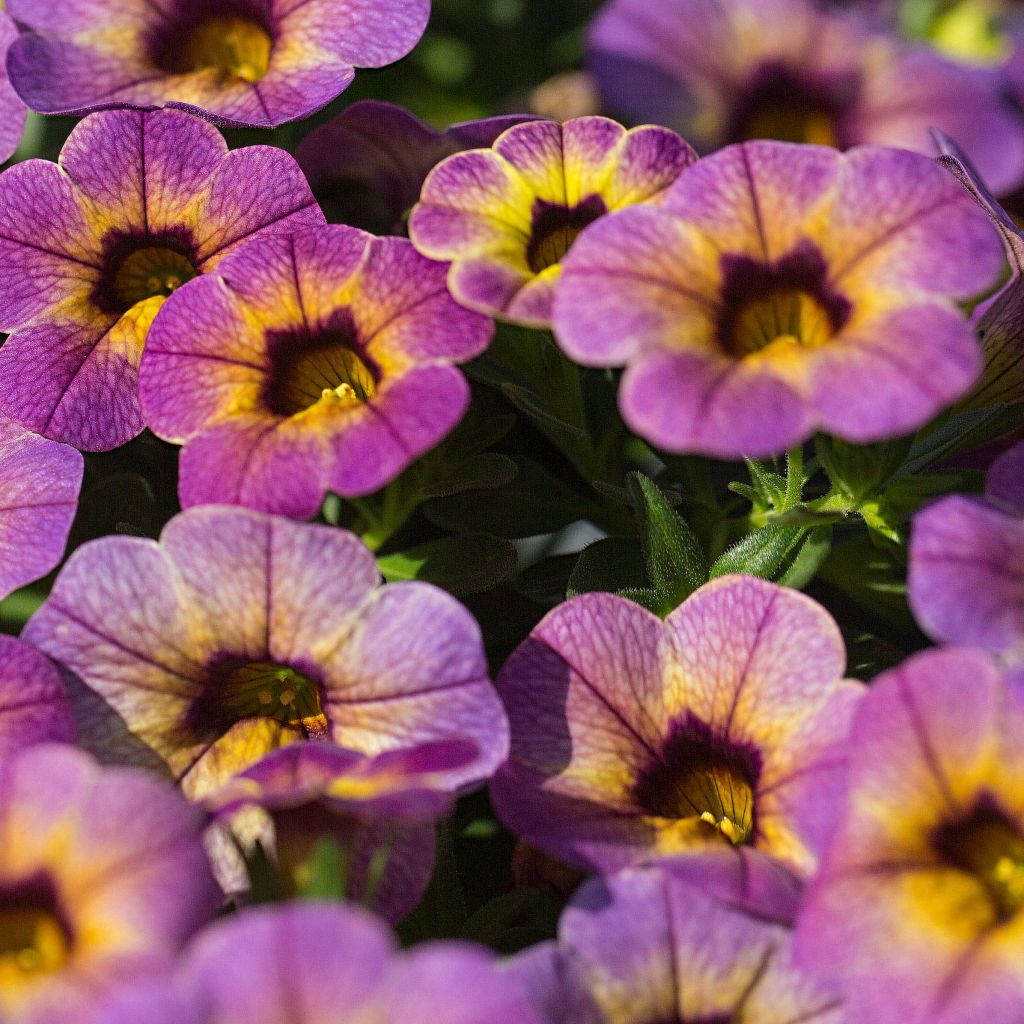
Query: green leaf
x=860 y=471
x=536 y=502
x=546 y=582
x=673 y=557
x=789 y=555
x=483 y=472
x=611 y=565
x=956 y=432
x=513 y=921
x=874 y=577
x=462 y=565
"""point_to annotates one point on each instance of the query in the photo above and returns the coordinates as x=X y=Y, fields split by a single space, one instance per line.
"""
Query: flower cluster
x=544 y=569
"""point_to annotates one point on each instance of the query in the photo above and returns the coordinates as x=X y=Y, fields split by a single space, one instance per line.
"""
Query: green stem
x=794 y=476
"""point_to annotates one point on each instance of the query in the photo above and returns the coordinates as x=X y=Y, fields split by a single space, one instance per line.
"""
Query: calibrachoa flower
x=778 y=290
x=102 y=877
x=367 y=165
x=966 y=578
x=241 y=62
x=918 y=909
x=39 y=484
x=698 y=939
x=505 y=217
x=12 y=109
x=380 y=811
x=239 y=633
x=338 y=965
x=33 y=705
x=91 y=247
x=724 y=71
x=634 y=738
x=311 y=363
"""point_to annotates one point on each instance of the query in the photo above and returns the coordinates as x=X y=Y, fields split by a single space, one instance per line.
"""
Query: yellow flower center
x=324 y=368
x=32 y=942
x=779 y=321
x=793 y=123
x=555 y=229
x=154 y=270
x=239 y=47
x=704 y=778
x=988 y=847
x=259 y=689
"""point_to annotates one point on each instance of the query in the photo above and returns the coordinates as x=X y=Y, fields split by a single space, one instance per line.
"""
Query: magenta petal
x=33 y=705
x=966 y=576
x=686 y=402
x=39 y=484
x=1005 y=484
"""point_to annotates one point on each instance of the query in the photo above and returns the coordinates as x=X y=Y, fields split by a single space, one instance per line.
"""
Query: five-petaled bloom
x=91 y=247
x=39 y=485
x=779 y=289
x=102 y=877
x=966 y=578
x=701 y=938
x=634 y=738
x=379 y=811
x=240 y=632
x=725 y=71
x=311 y=363
x=919 y=910
x=240 y=62
x=505 y=217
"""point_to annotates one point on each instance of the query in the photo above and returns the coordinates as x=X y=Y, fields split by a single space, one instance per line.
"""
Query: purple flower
x=701 y=938
x=966 y=578
x=239 y=62
x=366 y=166
x=634 y=738
x=239 y=633
x=39 y=484
x=102 y=877
x=380 y=811
x=505 y=217
x=91 y=247
x=338 y=965
x=777 y=290
x=33 y=705
x=918 y=911
x=311 y=363
x=12 y=109
x=724 y=71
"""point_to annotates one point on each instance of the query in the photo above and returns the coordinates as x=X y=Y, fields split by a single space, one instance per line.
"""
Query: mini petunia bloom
x=367 y=165
x=39 y=485
x=239 y=633
x=780 y=289
x=379 y=811
x=505 y=217
x=12 y=108
x=917 y=914
x=966 y=573
x=33 y=705
x=339 y=965
x=102 y=878
x=316 y=362
x=727 y=71
x=256 y=63
x=634 y=739
x=90 y=247
x=704 y=938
